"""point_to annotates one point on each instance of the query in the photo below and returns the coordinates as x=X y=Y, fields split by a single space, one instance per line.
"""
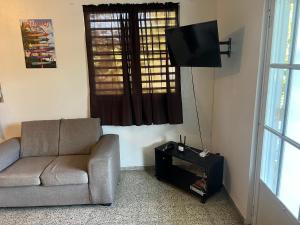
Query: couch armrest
x=9 y=152
x=104 y=169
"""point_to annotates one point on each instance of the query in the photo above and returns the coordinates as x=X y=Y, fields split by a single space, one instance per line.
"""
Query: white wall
x=33 y=94
x=235 y=92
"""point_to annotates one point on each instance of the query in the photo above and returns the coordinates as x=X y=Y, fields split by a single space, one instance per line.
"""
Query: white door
x=279 y=127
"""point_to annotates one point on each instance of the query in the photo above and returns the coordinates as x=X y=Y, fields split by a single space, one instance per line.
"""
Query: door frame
x=262 y=84
x=260 y=110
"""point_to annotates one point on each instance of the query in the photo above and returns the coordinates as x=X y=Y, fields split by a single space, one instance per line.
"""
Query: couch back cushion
x=40 y=138
x=77 y=136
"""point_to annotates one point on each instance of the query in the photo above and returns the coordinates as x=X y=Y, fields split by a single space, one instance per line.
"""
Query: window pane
x=296 y=59
x=289 y=188
x=276 y=98
x=270 y=160
x=293 y=115
x=106 y=52
x=156 y=71
x=282 y=31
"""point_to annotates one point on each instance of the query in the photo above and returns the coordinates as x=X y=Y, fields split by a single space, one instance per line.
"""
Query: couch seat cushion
x=66 y=170
x=24 y=172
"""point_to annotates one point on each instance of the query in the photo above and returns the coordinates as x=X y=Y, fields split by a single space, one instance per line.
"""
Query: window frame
x=164 y=90
x=132 y=107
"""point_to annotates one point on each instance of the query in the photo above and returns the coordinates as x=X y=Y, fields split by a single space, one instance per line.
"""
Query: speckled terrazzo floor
x=141 y=199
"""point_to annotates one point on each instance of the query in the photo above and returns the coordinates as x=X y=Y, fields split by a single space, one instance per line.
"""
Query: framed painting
x=38 y=43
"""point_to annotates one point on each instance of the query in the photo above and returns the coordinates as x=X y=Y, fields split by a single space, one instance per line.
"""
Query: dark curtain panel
x=131 y=79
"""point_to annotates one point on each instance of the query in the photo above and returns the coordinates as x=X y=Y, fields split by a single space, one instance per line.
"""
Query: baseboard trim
x=187 y=165
x=237 y=209
x=129 y=168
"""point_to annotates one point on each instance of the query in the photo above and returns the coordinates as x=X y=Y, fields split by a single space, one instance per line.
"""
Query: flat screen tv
x=194 y=45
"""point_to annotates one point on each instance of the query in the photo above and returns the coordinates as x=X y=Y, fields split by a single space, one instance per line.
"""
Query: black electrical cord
x=197 y=112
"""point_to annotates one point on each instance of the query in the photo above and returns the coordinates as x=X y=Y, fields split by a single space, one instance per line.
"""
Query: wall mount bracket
x=228 y=43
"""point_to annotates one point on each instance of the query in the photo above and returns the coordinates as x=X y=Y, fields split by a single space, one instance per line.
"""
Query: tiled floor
x=141 y=199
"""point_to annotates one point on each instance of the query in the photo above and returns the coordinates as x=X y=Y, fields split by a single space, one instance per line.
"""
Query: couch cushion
x=9 y=152
x=40 y=138
x=24 y=172
x=64 y=170
x=78 y=135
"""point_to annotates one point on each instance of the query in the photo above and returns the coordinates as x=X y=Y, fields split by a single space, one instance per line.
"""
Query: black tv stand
x=211 y=165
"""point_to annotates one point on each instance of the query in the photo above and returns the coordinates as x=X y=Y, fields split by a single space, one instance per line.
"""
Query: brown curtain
x=131 y=79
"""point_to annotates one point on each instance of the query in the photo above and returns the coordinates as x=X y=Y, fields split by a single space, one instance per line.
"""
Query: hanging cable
x=197 y=112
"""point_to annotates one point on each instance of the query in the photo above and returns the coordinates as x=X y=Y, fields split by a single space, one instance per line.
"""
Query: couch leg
x=107 y=204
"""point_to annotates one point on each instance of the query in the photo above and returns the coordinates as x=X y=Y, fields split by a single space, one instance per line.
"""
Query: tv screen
x=194 y=45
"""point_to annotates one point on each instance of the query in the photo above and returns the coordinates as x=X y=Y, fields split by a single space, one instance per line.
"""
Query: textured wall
x=33 y=94
x=235 y=89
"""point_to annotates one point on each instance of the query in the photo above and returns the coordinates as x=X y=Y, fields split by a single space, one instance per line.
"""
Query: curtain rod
x=126 y=6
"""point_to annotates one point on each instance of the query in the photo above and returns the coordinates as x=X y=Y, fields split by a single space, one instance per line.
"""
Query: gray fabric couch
x=59 y=162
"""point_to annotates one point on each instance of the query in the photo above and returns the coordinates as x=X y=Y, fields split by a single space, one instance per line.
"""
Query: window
x=131 y=78
x=281 y=142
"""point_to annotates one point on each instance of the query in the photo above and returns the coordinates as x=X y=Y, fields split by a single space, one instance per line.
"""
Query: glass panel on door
x=289 y=188
x=270 y=160
x=277 y=92
x=293 y=115
x=282 y=32
x=296 y=59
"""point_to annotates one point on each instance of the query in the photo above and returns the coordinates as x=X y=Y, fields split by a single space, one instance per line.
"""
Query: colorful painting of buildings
x=38 y=43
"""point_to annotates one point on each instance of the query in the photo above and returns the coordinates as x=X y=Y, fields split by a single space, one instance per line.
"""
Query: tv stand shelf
x=211 y=165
